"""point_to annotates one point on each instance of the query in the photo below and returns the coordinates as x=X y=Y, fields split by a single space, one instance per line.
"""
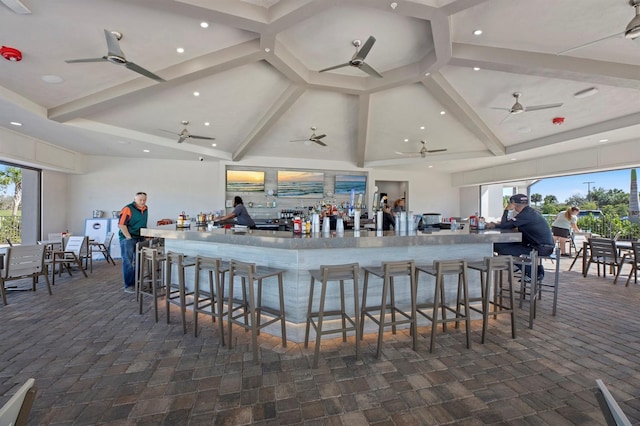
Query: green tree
x=13 y=175
x=550 y=199
x=634 y=213
x=575 y=200
x=536 y=198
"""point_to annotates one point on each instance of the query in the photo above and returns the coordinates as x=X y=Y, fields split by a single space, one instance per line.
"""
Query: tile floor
x=97 y=361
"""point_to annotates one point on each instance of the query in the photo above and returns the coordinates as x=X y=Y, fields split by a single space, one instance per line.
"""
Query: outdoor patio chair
x=630 y=258
x=613 y=414
x=23 y=262
x=603 y=251
x=16 y=410
x=101 y=247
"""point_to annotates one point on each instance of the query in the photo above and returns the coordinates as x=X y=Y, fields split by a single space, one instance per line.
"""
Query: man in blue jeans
x=133 y=217
x=536 y=232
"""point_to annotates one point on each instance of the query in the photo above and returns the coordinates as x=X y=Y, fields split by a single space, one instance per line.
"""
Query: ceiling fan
x=422 y=152
x=115 y=55
x=518 y=108
x=313 y=138
x=631 y=32
x=184 y=134
x=357 y=60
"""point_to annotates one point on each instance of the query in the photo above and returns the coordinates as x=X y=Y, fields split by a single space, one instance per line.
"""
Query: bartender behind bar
x=240 y=213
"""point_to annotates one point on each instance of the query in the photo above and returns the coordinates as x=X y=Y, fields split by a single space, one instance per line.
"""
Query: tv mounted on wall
x=300 y=184
x=345 y=183
x=245 y=181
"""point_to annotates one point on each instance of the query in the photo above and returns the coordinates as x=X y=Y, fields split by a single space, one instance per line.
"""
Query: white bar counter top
x=298 y=253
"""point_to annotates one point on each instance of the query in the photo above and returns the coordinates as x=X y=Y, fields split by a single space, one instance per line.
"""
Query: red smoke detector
x=558 y=120
x=10 y=54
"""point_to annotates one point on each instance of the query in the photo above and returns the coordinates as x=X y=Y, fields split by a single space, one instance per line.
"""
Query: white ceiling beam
x=429 y=159
x=231 y=13
x=171 y=143
x=273 y=114
x=451 y=100
x=136 y=89
x=364 y=104
x=285 y=14
x=546 y=65
x=460 y=5
x=593 y=129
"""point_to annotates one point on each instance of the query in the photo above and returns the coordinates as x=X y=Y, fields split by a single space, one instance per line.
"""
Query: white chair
x=101 y=247
x=75 y=249
x=611 y=411
x=23 y=262
x=16 y=410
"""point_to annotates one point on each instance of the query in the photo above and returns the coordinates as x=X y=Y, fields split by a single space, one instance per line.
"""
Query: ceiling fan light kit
x=633 y=27
x=313 y=138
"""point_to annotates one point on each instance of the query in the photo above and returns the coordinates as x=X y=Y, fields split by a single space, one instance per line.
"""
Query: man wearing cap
x=536 y=233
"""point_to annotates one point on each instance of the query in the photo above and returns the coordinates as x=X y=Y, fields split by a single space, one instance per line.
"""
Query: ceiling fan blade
x=140 y=70
x=436 y=150
x=590 y=43
x=318 y=142
x=366 y=68
x=502 y=109
x=300 y=140
x=505 y=118
x=346 y=64
x=76 y=61
x=539 y=107
x=113 y=45
x=366 y=47
x=318 y=137
x=202 y=137
x=167 y=131
x=182 y=139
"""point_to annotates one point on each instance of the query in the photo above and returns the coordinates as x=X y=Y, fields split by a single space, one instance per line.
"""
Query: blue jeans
x=128 y=252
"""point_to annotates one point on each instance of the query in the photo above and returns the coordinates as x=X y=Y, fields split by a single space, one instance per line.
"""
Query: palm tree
x=633 y=199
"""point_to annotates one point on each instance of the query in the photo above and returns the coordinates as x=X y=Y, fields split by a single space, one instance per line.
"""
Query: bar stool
x=151 y=282
x=439 y=269
x=533 y=287
x=492 y=271
x=252 y=306
x=325 y=274
x=175 y=291
x=388 y=271
x=209 y=301
x=155 y=243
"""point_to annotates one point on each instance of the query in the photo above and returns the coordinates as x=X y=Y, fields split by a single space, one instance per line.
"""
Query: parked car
x=595 y=213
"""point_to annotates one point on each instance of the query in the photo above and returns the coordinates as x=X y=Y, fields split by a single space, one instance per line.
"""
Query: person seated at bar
x=398 y=205
x=566 y=222
x=240 y=213
x=536 y=233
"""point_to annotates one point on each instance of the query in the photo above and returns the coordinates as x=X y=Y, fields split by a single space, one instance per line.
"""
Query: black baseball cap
x=519 y=199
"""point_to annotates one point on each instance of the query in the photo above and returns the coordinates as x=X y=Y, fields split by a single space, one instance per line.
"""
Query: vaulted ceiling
x=256 y=69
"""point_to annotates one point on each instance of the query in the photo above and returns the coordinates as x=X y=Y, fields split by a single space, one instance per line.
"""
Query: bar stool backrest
x=450 y=266
x=203 y=262
x=499 y=263
x=403 y=267
x=339 y=272
x=238 y=267
x=175 y=258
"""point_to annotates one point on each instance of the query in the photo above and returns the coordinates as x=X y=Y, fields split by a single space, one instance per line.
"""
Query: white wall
x=172 y=186
x=55 y=201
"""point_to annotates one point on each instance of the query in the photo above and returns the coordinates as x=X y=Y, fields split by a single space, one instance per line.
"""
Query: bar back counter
x=298 y=253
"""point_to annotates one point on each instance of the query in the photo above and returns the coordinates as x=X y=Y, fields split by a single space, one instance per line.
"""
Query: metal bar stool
x=151 y=279
x=209 y=301
x=492 y=270
x=252 y=306
x=533 y=287
x=388 y=271
x=439 y=269
x=325 y=274
x=175 y=291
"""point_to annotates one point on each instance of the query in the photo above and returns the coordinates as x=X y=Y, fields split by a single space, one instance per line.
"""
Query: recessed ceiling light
x=513 y=159
x=204 y=24
x=15 y=123
x=430 y=166
x=427 y=74
x=585 y=93
x=393 y=5
x=524 y=129
x=145 y=150
x=604 y=140
x=124 y=142
x=180 y=50
x=406 y=140
x=206 y=123
x=476 y=68
x=196 y=93
x=214 y=144
x=421 y=127
x=52 y=79
x=443 y=112
x=477 y=32
x=266 y=49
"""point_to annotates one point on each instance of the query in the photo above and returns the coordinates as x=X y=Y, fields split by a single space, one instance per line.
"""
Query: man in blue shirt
x=536 y=233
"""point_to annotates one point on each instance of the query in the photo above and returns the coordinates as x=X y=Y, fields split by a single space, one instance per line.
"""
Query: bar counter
x=296 y=254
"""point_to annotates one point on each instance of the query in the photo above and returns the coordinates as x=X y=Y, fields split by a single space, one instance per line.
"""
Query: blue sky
x=565 y=187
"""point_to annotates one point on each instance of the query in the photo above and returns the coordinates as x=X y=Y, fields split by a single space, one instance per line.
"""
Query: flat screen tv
x=300 y=184
x=245 y=181
x=345 y=183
